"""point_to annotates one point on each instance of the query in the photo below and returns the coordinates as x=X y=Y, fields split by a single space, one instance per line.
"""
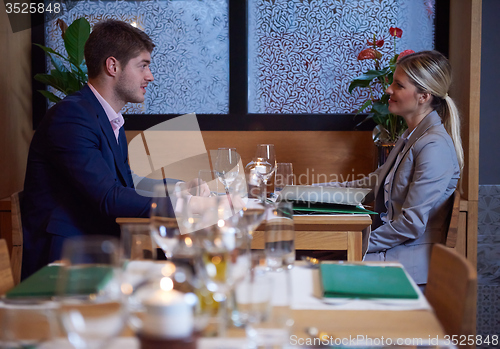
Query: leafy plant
x=390 y=126
x=69 y=73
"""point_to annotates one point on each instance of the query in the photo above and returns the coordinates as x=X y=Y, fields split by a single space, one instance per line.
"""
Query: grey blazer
x=425 y=177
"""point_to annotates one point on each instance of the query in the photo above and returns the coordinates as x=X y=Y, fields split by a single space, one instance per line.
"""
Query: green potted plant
x=70 y=72
x=389 y=126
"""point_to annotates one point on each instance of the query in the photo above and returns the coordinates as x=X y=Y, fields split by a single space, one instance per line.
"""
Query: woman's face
x=404 y=99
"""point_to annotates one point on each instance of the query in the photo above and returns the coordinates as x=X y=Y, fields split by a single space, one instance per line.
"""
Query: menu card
x=43 y=283
x=365 y=281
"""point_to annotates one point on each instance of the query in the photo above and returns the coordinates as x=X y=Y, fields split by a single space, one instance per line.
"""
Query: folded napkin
x=365 y=281
x=81 y=281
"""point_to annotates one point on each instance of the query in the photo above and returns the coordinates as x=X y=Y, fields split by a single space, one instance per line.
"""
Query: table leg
x=354 y=246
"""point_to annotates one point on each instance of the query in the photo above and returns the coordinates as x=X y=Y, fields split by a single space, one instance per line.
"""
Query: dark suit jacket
x=77 y=180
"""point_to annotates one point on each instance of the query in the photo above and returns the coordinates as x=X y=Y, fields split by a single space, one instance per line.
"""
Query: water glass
x=280 y=237
x=283 y=176
x=90 y=291
x=27 y=323
x=136 y=242
x=210 y=178
x=263 y=303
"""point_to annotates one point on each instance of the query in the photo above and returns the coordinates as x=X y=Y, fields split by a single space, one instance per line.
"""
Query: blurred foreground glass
x=27 y=324
x=137 y=243
x=263 y=304
x=280 y=236
x=164 y=228
x=225 y=255
x=283 y=177
x=89 y=290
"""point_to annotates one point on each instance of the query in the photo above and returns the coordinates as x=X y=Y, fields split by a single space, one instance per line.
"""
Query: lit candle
x=168 y=315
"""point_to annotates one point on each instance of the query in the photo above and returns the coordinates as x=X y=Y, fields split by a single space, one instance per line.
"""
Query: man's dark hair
x=112 y=38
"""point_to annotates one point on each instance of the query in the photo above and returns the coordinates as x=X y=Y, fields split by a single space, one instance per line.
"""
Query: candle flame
x=166 y=284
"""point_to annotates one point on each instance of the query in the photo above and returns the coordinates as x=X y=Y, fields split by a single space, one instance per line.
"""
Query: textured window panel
x=303 y=54
x=190 y=62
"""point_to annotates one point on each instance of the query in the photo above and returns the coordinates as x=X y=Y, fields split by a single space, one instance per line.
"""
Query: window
x=259 y=64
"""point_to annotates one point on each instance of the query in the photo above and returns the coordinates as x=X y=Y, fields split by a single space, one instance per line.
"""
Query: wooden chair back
x=452 y=234
x=6 y=280
x=452 y=290
x=17 y=236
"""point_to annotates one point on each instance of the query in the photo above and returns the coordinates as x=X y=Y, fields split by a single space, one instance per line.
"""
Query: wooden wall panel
x=316 y=155
x=465 y=59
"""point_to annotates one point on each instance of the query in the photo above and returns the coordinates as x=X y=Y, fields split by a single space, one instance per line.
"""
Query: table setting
x=221 y=277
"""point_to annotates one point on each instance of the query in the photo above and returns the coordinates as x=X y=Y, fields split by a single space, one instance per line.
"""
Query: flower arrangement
x=390 y=126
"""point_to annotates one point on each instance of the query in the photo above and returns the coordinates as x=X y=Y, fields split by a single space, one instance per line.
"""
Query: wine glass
x=164 y=228
x=210 y=178
x=224 y=259
x=227 y=169
x=267 y=165
x=89 y=291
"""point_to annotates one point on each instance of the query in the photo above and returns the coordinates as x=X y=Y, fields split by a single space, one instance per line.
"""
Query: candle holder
x=166 y=308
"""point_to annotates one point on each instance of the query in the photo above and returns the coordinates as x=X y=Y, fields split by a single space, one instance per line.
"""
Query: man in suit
x=78 y=179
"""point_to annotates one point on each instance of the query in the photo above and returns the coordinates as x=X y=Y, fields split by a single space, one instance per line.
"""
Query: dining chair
x=6 y=279
x=17 y=236
x=452 y=234
x=452 y=290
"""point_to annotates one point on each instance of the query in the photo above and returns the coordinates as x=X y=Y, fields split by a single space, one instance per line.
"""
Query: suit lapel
x=429 y=121
x=107 y=130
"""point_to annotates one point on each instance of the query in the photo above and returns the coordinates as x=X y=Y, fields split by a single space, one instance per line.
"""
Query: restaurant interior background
x=16 y=132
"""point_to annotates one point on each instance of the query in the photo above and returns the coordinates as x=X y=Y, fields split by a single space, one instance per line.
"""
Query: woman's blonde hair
x=430 y=72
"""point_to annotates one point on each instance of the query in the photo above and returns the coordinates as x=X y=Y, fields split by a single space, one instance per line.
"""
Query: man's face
x=133 y=79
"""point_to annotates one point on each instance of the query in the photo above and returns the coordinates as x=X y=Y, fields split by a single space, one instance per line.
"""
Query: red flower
x=369 y=53
x=396 y=32
x=405 y=53
x=378 y=43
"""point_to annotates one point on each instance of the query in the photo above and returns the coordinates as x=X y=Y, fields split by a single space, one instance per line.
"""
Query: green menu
x=80 y=281
x=365 y=281
x=322 y=208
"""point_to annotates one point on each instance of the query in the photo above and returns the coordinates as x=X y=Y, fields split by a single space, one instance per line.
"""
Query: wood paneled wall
x=465 y=59
x=317 y=156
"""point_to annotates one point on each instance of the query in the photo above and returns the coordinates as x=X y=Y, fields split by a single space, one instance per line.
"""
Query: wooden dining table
x=342 y=232
x=334 y=326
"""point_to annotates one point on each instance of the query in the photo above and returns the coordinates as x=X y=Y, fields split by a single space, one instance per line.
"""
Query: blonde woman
x=412 y=189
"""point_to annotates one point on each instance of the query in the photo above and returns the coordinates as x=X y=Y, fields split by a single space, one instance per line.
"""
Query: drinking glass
x=267 y=166
x=27 y=323
x=225 y=254
x=280 y=237
x=263 y=300
x=227 y=165
x=283 y=176
x=89 y=291
x=136 y=242
x=164 y=228
x=227 y=169
x=211 y=179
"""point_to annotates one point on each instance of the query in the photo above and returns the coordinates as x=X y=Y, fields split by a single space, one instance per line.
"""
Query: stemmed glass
x=267 y=165
x=225 y=256
x=227 y=169
x=90 y=291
